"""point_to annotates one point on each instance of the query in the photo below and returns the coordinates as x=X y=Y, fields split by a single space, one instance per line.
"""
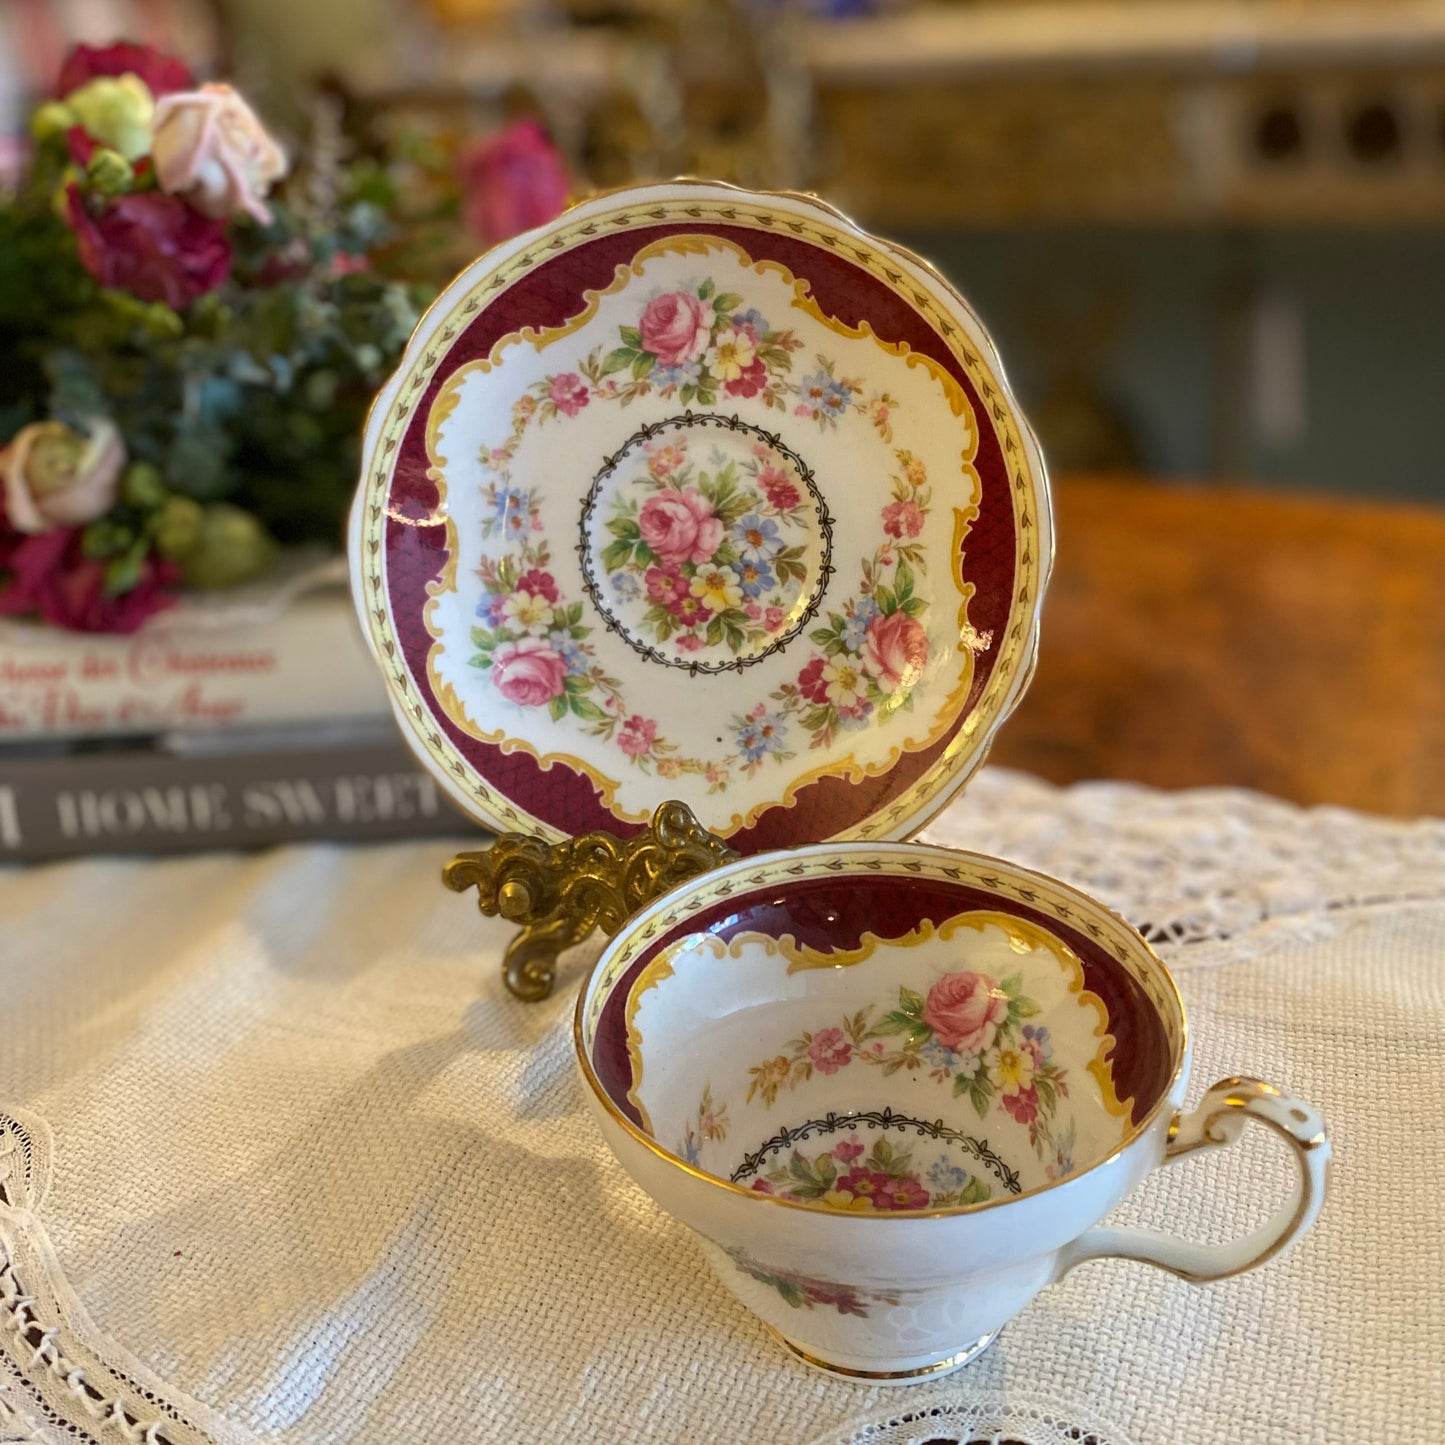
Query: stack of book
x=204 y=732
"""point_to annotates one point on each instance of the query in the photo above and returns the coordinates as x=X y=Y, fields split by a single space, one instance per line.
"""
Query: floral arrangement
x=192 y=329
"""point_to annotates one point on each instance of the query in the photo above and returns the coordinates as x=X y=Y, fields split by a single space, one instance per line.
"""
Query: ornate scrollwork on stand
x=561 y=892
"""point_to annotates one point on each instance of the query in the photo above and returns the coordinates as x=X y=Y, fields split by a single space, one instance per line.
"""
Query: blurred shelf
x=939 y=42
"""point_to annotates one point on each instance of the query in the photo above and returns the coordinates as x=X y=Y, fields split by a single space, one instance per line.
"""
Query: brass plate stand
x=561 y=892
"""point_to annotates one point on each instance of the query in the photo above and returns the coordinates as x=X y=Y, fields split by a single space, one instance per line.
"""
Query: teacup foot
x=910 y=1374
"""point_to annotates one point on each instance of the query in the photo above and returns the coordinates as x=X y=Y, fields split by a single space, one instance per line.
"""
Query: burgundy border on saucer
x=551 y=294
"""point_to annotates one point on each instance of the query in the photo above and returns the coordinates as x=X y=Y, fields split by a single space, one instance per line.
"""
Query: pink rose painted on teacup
x=55 y=477
x=568 y=393
x=637 y=735
x=211 y=148
x=676 y=327
x=528 y=671
x=964 y=1010
x=895 y=651
x=680 y=526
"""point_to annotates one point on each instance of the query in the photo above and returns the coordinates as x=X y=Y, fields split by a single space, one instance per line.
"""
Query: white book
x=282 y=654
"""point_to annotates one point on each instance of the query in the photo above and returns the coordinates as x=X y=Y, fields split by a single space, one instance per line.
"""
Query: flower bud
x=117 y=111
x=232 y=546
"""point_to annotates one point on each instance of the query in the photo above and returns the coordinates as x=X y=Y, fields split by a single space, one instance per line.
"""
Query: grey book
x=153 y=800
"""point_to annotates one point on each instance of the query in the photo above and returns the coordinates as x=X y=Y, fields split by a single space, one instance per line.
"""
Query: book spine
x=142 y=802
x=309 y=663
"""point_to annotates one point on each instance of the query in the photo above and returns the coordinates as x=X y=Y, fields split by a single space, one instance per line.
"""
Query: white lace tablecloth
x=280 y=1160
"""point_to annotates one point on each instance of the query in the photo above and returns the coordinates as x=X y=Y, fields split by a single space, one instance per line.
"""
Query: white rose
x=210 y=147
x=55 y=477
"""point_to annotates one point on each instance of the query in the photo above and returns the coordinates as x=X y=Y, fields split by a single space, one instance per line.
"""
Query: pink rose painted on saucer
x=676 y=327
x=895 y=651
x=680 y=526
x=529 y=672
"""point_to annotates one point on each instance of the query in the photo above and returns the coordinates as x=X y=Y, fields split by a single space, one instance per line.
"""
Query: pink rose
x=690 y=642
x=680 y=526
x=528 y=671
x=676 y=327
x=539 y=584
x=895 y=651
x=156 y=247
x=210 y=148
x=55 y=477
x=829 y=1051
x=847 y=1151
x=50 y=577
x=512 y=181
x=160 y=73
x=637 y=736
x=965 y=1010
x=902 y=519
x=568 y=393
x=773 y=618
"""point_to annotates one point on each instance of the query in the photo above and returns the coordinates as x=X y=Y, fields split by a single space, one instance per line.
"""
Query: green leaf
x=714 y=631
x=1026 y=1008
x=641 y=365
x=894 y=1022
x=912 y=1003
x=1012 y=985
x=706 y=289
x=978 y=1096
x=903 y=581
x=885 y=599
x=616 y=555
x=588 y=710
x=974 y=1192
x=618 y=360
x=727 y=301
x=631 y=337
x=687 y=393
x=915 y=607
x=557 y=708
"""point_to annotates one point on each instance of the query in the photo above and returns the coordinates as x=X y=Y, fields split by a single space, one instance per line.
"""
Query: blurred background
x=1205 y=233
x=1208 y=237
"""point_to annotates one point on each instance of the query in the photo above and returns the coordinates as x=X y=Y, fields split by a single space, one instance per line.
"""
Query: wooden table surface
x=1215 y=635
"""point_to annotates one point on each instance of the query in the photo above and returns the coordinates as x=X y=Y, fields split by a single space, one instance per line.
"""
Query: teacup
x=895 y=1088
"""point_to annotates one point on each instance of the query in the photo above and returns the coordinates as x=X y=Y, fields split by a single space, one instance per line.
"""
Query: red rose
x=830 y=1051
x=539 y=584
x=154 y=246
x=513 y=180
x=895 y=651
x=676 y=327
x=1024 y=1106
x=680 y=526
x=161 y=73
x=637 y=736
x=751 y=382
x=528 y=671
x=666 y=584
x=811 y=683
x=782 y=495
x=47 y=575
x=965 y=1010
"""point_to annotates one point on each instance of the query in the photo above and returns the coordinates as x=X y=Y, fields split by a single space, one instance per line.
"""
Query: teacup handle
x=1218 y=1120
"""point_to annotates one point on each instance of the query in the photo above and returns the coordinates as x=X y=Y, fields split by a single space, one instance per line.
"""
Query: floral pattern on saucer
x=708 y=543
x=970 y=1030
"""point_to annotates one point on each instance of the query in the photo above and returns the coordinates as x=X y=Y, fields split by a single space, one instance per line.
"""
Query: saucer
x=701 y=494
